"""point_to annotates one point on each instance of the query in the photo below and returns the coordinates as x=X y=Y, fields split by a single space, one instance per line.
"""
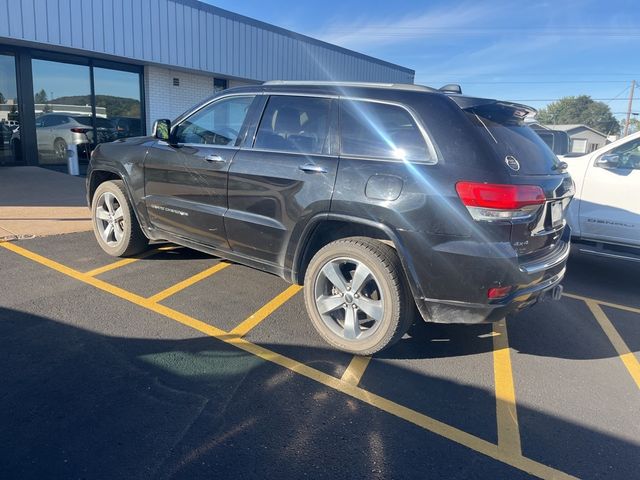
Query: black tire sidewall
x=392 y=291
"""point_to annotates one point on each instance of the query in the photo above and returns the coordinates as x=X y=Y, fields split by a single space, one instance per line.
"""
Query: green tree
x=581 y=110
x=2 y=98
x=40 y=97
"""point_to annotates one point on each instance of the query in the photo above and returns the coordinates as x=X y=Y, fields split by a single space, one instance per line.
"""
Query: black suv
x=384 y=200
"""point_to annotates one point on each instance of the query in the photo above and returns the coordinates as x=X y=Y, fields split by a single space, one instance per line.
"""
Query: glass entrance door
x=9 y=115
x=63 y=109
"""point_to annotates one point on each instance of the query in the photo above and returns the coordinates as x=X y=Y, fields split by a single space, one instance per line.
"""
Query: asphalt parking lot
x=179 y=365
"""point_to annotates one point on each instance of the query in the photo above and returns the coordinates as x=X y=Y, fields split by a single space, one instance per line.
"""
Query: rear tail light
x=80 y=130
x=490 y=202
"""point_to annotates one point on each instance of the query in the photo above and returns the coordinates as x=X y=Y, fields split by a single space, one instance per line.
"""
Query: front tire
x=357 y=296
x=114 y=222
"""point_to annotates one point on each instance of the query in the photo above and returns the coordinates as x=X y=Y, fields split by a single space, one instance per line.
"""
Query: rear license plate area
x=557 y=214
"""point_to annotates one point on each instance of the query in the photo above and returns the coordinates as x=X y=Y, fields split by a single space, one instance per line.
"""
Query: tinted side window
x=629 y=154
x=371 y=129
x=216 y=124
x=295 y=124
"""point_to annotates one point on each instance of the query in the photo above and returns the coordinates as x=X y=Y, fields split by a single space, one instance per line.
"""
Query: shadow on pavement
x=79 y=404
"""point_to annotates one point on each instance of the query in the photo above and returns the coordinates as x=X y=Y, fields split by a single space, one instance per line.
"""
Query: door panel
x=609 y=209
x=285 y=179
x=186 y=178
x=186 y=193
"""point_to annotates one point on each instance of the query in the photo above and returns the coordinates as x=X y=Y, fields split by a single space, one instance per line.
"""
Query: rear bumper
x=461 y=297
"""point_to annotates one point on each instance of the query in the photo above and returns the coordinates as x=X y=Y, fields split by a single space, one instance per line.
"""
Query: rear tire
x=357 y=296
x=60 y=150
x=114 y=223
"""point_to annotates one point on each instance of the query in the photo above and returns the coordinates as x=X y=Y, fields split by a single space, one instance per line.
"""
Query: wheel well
x=330 y=231
x=98 y=177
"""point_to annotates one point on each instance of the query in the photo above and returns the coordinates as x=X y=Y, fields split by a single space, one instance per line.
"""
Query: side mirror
x=609 y=160
x=162 y=129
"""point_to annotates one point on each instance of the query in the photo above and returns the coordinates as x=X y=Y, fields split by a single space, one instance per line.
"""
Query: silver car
x=56 y=131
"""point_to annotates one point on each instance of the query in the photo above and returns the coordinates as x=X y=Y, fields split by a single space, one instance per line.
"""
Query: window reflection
x=9 y=117
x=62 y=98
x=118 y=101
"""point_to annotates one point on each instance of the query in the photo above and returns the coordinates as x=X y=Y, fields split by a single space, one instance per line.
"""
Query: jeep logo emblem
x=512 y=163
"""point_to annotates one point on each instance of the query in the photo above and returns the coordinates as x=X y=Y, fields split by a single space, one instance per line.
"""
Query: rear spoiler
x=469 y=103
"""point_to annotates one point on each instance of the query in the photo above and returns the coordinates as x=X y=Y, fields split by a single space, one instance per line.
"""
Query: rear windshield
x=505 y=131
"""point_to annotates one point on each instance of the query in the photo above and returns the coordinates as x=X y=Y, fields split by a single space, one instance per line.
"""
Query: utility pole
x=626 y=125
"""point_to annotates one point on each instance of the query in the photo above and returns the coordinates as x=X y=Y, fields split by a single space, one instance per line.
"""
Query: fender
x=405 y=257
x=121 y=170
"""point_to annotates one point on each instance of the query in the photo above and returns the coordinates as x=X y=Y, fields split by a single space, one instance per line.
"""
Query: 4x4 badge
x=512 y=162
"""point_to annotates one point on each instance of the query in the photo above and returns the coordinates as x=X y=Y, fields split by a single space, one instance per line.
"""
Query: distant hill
x=115 y=106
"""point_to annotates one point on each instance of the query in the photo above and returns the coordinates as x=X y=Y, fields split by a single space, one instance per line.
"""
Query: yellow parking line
x=127 y=261
x=506 y=412
x=188 y=282
x=602 y=302
x=247 y=325
x=446 y=431
x=628 y=358
x=354 y=372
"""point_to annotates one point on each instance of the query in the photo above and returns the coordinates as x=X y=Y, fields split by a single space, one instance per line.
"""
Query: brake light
x=80 y=130
x=489 y=201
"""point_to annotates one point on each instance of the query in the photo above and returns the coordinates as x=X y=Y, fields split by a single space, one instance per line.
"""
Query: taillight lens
x=80 y=130
x=489 y=201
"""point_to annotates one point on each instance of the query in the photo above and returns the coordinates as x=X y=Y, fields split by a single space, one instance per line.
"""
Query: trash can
x=73 y=165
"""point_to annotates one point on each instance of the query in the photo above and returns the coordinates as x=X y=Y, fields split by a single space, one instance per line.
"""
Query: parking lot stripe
x=439 y=428
x=127 y=261
x=602 y=302
x=354 y=372
x=250 y=322
x=506 y=411
x=158 y=297
x=628 y=358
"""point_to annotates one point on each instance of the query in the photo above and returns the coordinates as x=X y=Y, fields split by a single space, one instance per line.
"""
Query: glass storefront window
x=9 y=118
x=62 y=98
x=118 y=101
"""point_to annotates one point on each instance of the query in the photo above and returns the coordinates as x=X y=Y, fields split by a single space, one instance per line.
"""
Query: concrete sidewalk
x=37 y=202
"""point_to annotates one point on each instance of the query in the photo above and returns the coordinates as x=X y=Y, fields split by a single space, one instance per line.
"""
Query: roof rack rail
x=324 y=83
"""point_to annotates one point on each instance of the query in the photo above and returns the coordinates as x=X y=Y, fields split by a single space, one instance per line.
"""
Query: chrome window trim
x=288 y=152
x=425 y=135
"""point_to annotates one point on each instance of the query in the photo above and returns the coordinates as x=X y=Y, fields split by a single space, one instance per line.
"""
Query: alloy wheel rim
x=61 y=150
x=349 y=299
x=109 y=219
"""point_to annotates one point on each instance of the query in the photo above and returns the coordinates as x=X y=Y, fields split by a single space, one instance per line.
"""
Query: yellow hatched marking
x=127 y=261
x=172 y=290
x=251 y=322
x=354 y=372
x=628 y=358
x=506 y=411
x=446 y=431
x=602 y=302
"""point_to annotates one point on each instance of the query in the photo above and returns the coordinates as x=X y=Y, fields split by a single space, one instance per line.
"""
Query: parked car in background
x=56 y=131
x=605 y=213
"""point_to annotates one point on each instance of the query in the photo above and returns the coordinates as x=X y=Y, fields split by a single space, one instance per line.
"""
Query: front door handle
x=312 y=168
x=214 y=159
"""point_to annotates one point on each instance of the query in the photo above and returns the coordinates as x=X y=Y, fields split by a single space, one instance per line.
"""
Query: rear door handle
x=312 y=168
x=214 y=159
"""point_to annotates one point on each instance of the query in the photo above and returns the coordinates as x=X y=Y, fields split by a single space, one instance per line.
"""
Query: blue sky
x=533 y=51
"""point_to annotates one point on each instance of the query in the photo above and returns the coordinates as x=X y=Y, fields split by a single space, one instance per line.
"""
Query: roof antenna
x=451 y=88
